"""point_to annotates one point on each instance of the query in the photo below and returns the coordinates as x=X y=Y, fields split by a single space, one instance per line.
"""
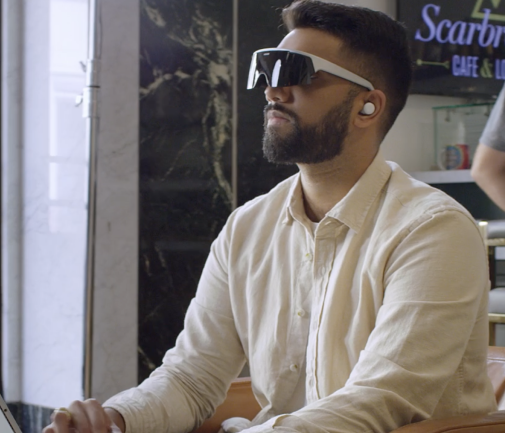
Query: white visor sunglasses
x=276 y=67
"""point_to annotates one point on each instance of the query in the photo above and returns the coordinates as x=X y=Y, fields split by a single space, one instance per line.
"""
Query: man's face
x=308 y=124
x=306 y=144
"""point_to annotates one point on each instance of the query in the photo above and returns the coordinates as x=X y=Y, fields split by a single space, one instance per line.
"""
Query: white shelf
x=443 y=176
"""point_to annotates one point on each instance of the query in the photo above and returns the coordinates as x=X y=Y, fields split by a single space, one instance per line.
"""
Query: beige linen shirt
x=396 y=283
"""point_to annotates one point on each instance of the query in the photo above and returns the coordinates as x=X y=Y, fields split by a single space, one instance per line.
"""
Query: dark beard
x=308 y=144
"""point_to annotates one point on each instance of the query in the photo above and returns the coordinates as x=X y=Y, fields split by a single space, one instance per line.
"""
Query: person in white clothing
x=357 y=295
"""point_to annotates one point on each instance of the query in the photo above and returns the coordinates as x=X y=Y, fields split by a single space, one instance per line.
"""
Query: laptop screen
x=7 y=423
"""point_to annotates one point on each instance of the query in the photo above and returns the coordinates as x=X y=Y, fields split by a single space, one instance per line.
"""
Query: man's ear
x=371 y=106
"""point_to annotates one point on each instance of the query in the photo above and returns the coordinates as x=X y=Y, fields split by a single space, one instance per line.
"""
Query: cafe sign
x=463 y=39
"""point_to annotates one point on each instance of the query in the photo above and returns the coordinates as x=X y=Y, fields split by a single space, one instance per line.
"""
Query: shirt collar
x=354 y=207
x=295 y=209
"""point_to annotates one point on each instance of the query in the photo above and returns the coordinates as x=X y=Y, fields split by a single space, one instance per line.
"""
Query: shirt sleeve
x=436 y=285
x=494 y=132
x=195 y=375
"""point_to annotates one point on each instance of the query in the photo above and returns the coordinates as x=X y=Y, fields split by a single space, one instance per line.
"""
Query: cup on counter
x=454 y=157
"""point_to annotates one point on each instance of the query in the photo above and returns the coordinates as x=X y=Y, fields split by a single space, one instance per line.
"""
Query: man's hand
x=85 y=417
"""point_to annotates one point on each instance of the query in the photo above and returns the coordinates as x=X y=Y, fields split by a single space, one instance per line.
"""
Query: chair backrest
x=240 y=402
x=496 y=372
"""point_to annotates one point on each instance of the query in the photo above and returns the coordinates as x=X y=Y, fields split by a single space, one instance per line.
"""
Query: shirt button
x=293 y=367
x=308 y=257
x=300 y=313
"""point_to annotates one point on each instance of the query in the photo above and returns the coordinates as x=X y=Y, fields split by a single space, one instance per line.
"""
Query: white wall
x=115 y=345
x=410 y=142
x=386 y=6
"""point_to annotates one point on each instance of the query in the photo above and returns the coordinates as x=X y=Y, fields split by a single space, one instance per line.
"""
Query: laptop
x=7 y=422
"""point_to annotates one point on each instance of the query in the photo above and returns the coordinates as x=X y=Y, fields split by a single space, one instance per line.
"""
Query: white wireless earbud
x=368 y=109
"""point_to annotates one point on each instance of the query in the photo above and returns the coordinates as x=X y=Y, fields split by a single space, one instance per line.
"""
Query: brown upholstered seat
x=241 y=402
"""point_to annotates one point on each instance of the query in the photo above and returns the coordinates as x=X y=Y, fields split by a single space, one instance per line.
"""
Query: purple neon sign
x=484 y=34
x=460 y=32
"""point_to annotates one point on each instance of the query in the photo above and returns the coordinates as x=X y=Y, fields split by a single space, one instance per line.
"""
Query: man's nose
x=277 y=94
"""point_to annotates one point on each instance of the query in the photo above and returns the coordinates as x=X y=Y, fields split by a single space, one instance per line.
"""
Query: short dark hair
x=376 y=41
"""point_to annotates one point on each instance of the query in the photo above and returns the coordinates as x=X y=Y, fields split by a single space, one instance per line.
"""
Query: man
x=488 y=168
x=357 y=294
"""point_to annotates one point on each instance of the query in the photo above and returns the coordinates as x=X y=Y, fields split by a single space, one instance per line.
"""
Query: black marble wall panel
x=186 y=68
x=185 y=158
x=260 y=26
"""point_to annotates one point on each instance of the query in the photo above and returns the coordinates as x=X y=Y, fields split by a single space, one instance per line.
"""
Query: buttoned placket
x=325 y=250
x=304 y=295
x=301 y=305
x=313 y=276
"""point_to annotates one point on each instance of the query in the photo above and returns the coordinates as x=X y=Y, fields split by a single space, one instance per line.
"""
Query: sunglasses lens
x=279 y=69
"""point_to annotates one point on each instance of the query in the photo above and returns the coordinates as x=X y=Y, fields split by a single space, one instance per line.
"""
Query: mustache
x=279 y=107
